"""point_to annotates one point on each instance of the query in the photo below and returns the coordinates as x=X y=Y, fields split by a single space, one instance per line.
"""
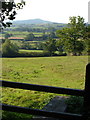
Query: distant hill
x=32 y=21
x=37 y=24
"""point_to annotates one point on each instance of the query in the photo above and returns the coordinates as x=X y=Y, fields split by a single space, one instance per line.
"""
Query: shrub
x=9 y=49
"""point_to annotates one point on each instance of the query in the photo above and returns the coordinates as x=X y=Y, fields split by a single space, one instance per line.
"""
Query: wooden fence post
x=87 y=94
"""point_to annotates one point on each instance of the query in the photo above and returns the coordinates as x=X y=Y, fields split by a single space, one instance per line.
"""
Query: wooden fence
x=67 y=116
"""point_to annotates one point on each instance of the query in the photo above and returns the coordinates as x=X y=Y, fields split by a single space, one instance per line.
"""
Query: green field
x=68 y=71
x=23 y=34
x=23 y=50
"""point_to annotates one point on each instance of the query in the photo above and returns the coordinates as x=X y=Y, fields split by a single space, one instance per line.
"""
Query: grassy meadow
x=67 y=71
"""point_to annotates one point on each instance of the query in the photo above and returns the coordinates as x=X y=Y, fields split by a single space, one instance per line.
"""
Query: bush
x=9 y=49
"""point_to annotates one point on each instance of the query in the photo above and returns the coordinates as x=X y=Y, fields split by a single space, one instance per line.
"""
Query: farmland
x=47 y=37
x=65 y=71
x=22 y=34
x=68 y=71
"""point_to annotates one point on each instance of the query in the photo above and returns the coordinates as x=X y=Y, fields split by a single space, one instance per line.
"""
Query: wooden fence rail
x=43 y=88
x=85 y=93
x=59 y=115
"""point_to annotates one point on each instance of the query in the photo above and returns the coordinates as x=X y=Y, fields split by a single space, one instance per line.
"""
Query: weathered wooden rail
x=68 y=116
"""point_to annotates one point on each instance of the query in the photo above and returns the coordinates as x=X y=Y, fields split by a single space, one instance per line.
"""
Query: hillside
x=23 y=25
x=32 y=21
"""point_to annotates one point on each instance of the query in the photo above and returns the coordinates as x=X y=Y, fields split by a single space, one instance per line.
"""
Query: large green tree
x=72 y=37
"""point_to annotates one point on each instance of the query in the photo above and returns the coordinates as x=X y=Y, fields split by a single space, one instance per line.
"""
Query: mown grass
x=68 y=71
x=56 y=71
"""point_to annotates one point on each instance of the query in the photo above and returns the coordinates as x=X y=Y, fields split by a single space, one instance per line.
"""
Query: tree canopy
x=72 y=36
x=8 y=11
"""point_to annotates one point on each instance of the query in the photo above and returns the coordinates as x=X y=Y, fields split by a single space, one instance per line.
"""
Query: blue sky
x=54 y=10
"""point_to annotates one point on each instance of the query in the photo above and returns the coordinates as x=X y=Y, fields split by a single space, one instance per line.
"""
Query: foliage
x=59 y=45
x=25 y=45
x=52 y=35
x=9 y=49
x=8 y=12
x=3 y=40
x=72 y=36
x=7 y=35
x=30 y=37
x=15 y=116
x=50 y=46
x=44 y=36
x=80 y=46
x=40 y=46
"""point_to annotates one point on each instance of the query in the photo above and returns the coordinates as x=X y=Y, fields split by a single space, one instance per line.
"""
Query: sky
x=53 y=10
